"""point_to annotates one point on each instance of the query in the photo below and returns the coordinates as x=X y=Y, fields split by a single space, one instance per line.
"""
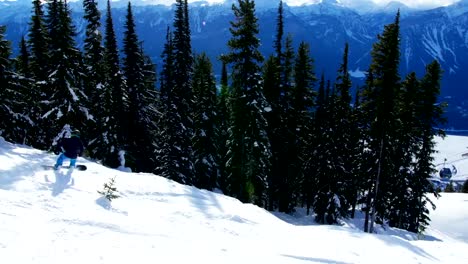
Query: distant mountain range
x=440 y=33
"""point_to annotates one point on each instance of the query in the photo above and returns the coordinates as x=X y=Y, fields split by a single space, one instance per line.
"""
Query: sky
x=56 y=217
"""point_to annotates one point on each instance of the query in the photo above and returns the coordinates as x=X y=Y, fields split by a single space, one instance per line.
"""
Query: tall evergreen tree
x=357 y=141
x=12 y=101
x=38 y=45
x=38 y=39
x=278 y=75
x=113 y=96
x=325 y=202
x=345 y=185
x=29 y=95
x=178 y=122
x=384 y=123
x=249 y=146
x=271 y=89
x=205 y=128
x=223 y=110
x=94 y=80
x=312 y=140
x=141 y=114
x=23 y=60
x=430 y=115
x=300 y=119
x=67 y=101
x=408 y=145
x=164 y=152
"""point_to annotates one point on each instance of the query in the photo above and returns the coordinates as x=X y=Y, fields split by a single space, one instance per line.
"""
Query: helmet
x=75 y=132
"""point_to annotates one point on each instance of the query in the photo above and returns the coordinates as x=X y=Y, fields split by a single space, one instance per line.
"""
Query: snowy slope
x=58 y=217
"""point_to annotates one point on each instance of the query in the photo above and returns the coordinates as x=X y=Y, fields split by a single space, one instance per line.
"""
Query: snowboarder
x=71 y=148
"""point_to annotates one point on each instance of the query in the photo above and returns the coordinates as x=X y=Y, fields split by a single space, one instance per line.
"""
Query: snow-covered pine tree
x=65 y=101
x=12 y=105
x=29 y=94
x=300 y=122
x=430 y=116
x=114 y=97
x=271 y=90
x=345 y=188
x=141 y=113
x=94 y=84
x=22 y=63
x=312 y=161
x=249 y=147
x=205 y=147
x=39 y=64
x=165 y=129
x=109 y=191
x=327 y=200
x=366 y=113
x=408 y=135
x=150 y=98
x=357 y=141
x=38 y=39
x=278 y=76
x=177 y=99
x=182 y=93
x=384 y=122
x=223 y=110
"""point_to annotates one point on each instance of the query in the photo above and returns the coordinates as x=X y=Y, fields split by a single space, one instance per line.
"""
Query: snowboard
x=79 y=167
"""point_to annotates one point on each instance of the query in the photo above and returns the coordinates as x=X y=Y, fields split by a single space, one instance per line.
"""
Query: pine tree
x=465 y=187
x=38 y=39
x=12 y=105
x=449 y=188
x=357 y=141
x=205 y=130
x=23 y=60
x=249 y=147
x=300 y=119
x=278 y=75
x=275 y=94
x=38 y=46
x=114 y=97
x=141 y=99
x=223 y=110
x=430 y=116
x=29 y=96
x=109 y=190
x=67 y=101
x=326 y=202
x=165 y=131
x=176 y=92
x=312 y=140
x=271 y=90
x=402 y=193
x=384 y=123
x=94 y=81
x=345 y=188
x=335 y=186
x=151 y=101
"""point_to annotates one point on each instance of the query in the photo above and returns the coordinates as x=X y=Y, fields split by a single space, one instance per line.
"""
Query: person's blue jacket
x=72 y=147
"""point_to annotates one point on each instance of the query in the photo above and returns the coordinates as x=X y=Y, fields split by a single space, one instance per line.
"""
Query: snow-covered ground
x=58 y=217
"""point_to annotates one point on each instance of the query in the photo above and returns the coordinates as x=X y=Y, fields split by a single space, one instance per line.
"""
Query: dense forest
x=273 y=132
